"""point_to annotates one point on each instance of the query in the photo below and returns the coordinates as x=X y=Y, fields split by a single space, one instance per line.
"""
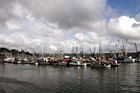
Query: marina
x=69 y=46
x=75 y=58
x=65 y=73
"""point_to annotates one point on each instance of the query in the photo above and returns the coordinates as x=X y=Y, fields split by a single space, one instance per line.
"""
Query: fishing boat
x=101 y=61
x=77 y=63
x=55 y=63
x=44 y=63
x=32 y=62
x=113 y=62
x=62 y=63
x=126 y=60
x=17 y=61
x=100 y=65
x=9 y=60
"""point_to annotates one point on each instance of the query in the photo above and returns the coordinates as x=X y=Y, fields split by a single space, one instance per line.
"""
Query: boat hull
x=77 y=64
x=97 y=65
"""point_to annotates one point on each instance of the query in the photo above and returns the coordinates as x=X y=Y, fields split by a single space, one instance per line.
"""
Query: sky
x=52 y=25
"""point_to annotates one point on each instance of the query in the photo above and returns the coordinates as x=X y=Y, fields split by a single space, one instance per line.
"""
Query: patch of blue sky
x=125 y=7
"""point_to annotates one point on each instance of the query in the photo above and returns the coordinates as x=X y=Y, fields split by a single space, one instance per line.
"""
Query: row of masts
x=118 y=52
x=124 y=50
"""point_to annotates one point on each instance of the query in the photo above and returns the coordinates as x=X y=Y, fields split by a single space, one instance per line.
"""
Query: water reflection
x=61 y=79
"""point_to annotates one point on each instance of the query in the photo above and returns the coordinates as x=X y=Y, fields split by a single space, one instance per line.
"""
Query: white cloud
x=89 y=37
x=53 y=47
x=12 y=26
x=122 y=27
x=34 y=23
x=29 y=24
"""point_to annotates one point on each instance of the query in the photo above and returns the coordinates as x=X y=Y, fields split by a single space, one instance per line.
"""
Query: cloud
x=67 y=13
x=136 y=25
x=53 y=47
x=90 y=37
x=12 y=26
x=3 y=15
x=32 y=24
x=123 y=27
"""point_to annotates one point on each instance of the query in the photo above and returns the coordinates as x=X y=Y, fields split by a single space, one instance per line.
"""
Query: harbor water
x=26 y=78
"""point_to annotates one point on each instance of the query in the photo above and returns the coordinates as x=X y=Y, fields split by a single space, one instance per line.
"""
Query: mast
x=136 y=50
x=81 y=51
x=76 y=51
x=123 y=50
x=89 y=49
x=126 y=48
x=116 y=50
x=99 y=53
x=119 y=48
x=109 y=51
x=94 y=51
x=72 y=50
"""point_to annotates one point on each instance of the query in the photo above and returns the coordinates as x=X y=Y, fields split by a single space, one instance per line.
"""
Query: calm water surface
x=49 y=79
